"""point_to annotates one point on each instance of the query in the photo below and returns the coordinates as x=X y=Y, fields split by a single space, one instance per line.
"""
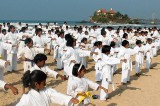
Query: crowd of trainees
x=106 y=46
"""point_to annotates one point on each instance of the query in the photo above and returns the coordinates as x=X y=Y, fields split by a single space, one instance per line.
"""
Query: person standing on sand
x=12 y=38
x=125 y=53
x=39 y=95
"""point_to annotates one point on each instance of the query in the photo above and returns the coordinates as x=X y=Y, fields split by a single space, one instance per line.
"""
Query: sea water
x=78 y=23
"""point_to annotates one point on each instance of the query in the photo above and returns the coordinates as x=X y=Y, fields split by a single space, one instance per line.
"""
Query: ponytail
x=77 y=68
x=26 y=79
x=29 y=78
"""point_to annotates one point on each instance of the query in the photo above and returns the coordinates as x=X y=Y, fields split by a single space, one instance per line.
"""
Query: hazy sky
x=74 y=9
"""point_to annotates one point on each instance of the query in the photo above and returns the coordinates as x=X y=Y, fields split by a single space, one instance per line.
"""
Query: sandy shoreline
x=142 y=91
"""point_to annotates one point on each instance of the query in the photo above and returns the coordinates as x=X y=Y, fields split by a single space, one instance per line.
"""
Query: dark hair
x=3 y=30
x=79 y=29
x=23 y=29
x=29 y=78
x=68 y=36
x=86 y=32
x=76 y=68
x=70 y=42
x=38 y=30
x=125 y=35
x=149 y=40
x=61 y=33
x=10 y=27
x=83 y=40
x=138 y=42
x=125 y=42
x=40 y=57
x=28 y=40
x=99 y=43
x=57 y=31
x=95 y=43
x=106 y=48
x=103 y=32
x=112 y=44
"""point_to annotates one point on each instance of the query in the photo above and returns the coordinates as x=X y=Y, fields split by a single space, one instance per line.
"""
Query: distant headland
x=109 y=16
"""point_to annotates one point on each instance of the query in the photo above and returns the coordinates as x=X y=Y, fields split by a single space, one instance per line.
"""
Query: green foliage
x=105 y=18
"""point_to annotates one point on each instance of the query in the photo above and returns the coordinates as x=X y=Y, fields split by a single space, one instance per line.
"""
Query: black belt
x=22 y=40
x=32 y=62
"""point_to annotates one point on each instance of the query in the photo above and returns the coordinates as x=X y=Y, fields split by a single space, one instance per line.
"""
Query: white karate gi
x=12 y=55
x=106 y=64
x=2 y=66
x=78 y=37
x=139 y=58
x=83 y=54
x=39 y=41
x=70 y=54
x=29 y=53
x=4 y=47
x=44 y=98
x=104 y=40
x=114 y=53
x=22 y=39
x=97 y=68
x=58 y=51
x=2 y=84
x=149 y=55
x=77 y=85
x=125 y=53
x=46 y=70
x=93 y=36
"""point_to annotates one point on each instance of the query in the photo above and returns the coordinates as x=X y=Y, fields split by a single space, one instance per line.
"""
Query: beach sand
x=142 y=91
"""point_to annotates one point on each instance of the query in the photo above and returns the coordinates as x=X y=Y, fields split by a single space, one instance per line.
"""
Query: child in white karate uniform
x=125 y=53
x=106 y=63
x=39 y=95
x=149 y=53
x=78 y=85
x=97 y=59
x=139 y=56
x=114 y=53
x=28 y=53
x=39 y=61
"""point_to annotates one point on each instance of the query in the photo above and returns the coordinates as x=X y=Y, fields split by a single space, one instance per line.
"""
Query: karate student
x=6 y=86
x=103 y=38
x=58 y=50
x=12 y=38
x=39 y=61
x=149 y=53
x=97 y=59
x=49 y=43
x=125 y=53
x=70 y=57
x=79 y=35
x=38 y=40
x=84 y=48
x=22 y=36
x=106 y=64
x=139 y=56
x=114 y=53
x=78 y=85
x=39 y=95
x=39 y=64
x=28 y=53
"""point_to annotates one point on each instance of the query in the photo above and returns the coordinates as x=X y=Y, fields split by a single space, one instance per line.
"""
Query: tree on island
x=102 y=16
